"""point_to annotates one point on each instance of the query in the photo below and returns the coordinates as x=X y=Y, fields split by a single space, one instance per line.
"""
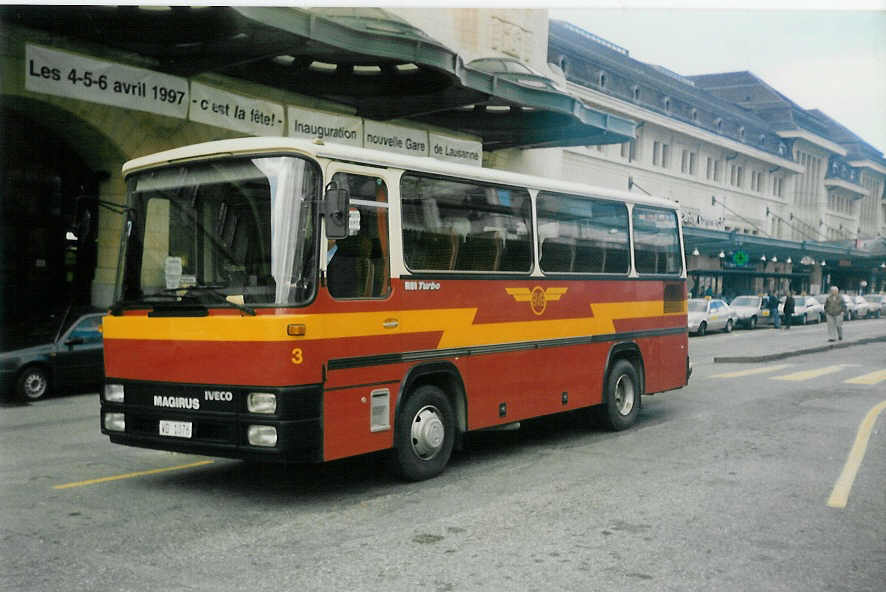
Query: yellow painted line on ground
x=840 y=493
x=762 y=370
x=132 y=475
x=872 y=378
x=808 y=374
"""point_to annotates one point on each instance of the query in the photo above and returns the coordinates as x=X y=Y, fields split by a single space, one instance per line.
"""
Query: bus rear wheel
x=425 y=434
x=621 y=402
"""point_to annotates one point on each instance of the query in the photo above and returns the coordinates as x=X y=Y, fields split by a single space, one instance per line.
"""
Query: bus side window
x=656 y=241
x=582 y=235
x=453 y=225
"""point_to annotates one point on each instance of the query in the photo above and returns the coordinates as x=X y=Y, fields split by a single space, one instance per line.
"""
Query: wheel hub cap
x=624 y=395
x=34 y=385
x=428 y=432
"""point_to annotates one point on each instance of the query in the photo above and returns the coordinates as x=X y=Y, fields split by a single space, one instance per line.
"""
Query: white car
x=813 y=308
x=806 y=310
x=863 y=308
x=878 y=301
x=847 y=300
x=710 y=315
x=749 y=310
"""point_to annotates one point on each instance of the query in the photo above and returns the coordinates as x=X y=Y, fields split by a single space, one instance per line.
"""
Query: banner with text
x=394 y=138
x=456 y=150
x=70 y=75
x=330 y=127
x=220 y=108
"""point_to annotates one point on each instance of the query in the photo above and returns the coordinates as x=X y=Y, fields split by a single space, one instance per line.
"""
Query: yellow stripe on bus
x=457 y=325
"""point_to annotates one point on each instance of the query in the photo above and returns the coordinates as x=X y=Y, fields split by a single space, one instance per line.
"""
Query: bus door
x=360 y=392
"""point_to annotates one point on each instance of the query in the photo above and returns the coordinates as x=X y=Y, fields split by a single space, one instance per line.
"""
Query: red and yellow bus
x=286 y=300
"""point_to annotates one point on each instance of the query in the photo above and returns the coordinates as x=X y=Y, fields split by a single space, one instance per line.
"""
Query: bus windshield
x=220 y=232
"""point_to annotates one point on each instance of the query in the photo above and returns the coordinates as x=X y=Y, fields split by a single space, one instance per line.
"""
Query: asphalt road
x=723 y=485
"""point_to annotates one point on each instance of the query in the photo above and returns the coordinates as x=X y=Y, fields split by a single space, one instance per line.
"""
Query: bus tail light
x=262 y=435
x=115 y=422
x=261 y=403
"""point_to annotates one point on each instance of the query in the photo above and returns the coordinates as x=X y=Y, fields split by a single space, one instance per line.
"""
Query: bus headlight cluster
x=115 y=422
x=114 y=393
x=262 y=435
x=261 y=403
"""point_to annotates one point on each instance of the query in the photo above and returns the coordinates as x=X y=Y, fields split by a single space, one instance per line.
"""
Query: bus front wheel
x=425 y=434
x=621 y=402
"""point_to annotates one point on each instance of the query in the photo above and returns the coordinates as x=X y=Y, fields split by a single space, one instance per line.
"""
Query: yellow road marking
x=807 y=374
x=872 y=378
x=840 y=493
x=132 y=475
x=762 y=370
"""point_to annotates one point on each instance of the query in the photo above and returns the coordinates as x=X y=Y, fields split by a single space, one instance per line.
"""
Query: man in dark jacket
x=788 y=310
x=773 y=310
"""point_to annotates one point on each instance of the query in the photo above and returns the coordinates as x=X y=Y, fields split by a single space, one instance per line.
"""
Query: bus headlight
x=114 y=393
x=261 y=403
x=115 y=422
x=262 y=435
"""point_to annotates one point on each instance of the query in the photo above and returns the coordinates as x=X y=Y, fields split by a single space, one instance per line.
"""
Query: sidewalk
x=772 y=346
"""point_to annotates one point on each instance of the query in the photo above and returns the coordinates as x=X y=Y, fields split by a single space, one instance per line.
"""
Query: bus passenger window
x=656 y=241
x=451 y=225
x=582 y=235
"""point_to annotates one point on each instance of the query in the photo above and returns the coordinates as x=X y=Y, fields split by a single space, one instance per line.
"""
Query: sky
x=832 y=60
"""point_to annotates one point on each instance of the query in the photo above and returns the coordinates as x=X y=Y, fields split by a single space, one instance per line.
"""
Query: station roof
x=711 y=241
x=367 y=58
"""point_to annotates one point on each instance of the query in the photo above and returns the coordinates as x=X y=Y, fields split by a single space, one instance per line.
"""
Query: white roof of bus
x=276 y=145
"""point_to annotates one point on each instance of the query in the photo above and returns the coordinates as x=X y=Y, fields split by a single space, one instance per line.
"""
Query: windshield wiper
x=212 y=290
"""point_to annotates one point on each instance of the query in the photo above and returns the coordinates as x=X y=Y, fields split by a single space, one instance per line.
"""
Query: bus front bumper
x=294 y=433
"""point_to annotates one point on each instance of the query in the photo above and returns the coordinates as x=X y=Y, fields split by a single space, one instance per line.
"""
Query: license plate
x=176 y=429
x=765 y=313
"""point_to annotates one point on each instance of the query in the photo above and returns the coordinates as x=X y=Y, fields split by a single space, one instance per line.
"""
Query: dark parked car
x=64 y=354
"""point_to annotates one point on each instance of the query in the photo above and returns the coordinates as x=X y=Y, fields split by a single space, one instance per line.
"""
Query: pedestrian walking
x=773 y=310
x=788 y=310
x=834 y=309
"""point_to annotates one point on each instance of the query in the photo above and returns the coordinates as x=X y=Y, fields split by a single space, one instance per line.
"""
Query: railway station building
x=772 y=195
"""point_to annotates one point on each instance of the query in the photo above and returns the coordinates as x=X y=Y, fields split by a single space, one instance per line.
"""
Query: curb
x=797 y=352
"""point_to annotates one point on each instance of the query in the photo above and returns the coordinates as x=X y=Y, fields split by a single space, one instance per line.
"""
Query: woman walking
x=834 y=308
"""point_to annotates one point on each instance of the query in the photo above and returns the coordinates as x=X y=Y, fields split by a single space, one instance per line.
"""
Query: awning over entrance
x=366 y=58
x=710 y=242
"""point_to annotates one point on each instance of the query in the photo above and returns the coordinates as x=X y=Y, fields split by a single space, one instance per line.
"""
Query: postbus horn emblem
x=537 y=297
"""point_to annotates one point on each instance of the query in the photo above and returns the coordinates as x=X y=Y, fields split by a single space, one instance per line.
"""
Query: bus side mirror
x=335 y=211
